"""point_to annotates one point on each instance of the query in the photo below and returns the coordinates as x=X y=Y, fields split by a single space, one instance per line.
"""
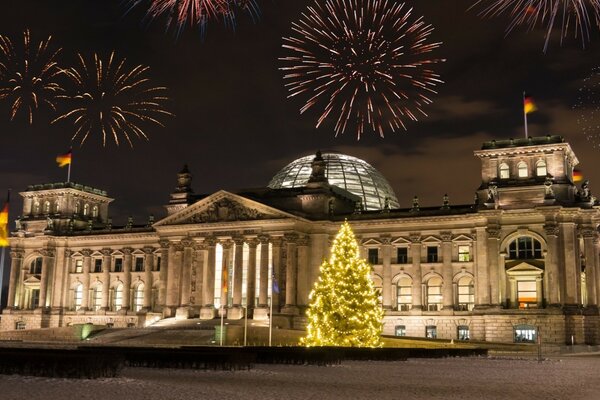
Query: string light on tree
x=344 y=308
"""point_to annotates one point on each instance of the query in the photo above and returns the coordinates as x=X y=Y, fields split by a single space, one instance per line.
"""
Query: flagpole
x=525 y=117
x=70 y=163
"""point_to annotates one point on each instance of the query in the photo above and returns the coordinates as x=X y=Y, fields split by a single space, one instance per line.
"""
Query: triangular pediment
x=462 y=238
x=524 y=267
x=32 y=280
x=431 y=239
x=371 y=242
x=223 y=206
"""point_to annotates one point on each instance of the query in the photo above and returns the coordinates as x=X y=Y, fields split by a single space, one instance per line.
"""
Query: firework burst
x=29 y=75
x=565 y=15
x=588 y=108
x=112 y=100
x=180 y=14
x=365 y=63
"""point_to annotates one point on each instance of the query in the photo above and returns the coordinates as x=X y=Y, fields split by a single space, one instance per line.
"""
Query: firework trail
x=365 y=63
x=112 y=100
x=564 y=15
x=588 y=108
x=29 y=75
x=180 y=14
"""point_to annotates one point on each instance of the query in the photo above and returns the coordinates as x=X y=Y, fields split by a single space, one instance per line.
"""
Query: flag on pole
x=4 y=225
x=577 y=176
x=528 y=105
x=275 y=285
x=64 y=159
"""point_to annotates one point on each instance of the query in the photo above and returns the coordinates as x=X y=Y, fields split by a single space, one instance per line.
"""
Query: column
x=208 y=280
x=417 y=288
x=106 y=267
x=16 y=257
x=386 y=254
x=87 y=263
x=571 y=274
x=172 y=296
x=551 y=265
x=185 y=275
x=277 y=261
x=47 y=261
x=64 y=297
x=127 y=260
x=482 y=286
x=303 y=273
x=263 y=294
x=493 y=251
x=447 y=272
x=589 y=237
x=238 y=271
x=226 y=285
x=148 y=266
x=163 y=273
x=199 y=263
x=291 y=273
x=251 y=281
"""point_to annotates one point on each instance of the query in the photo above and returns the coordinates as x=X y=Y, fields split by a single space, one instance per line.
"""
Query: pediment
x=223 y=207
x=462 y=238
x=32 y=280
x=524 y=267
x=431 y=239
x=371 y=242
x=401 y=241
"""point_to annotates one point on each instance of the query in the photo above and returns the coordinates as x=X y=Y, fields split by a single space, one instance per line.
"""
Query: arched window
x=138 y=297
x=524 y=248
x=522 y=169
x=504 y=171
x=118 y=297
x=95 y=212
x=97 y=297
x=86 y=210
x=36 y=266
x=76 y=207
x=404 y=291
x=466 y=294
x=57 y=207
x=540 y=168
x=47 y=207
x=78 y=296
x=434 y=294
x=36 y=207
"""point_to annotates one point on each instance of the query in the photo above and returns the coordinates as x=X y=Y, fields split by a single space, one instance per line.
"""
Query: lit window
x=86 y=210
x=522 y=168
x=524 y=248
x=432 y=254
x=36 y=266
x=36 y=207
x=95 y=211
x=541 y=169
x=76 y=207
x=431 y=332
x=35 y=299
x=78 y=266
x=400 y=330
x=78 y=297
x=527 y=294
x=57 y=207
x=404 y=290
x=47 y=207
x=434 y=294
x=118 y=297
x=504 y=171
x=373 y=256
x=463 y=332
x=20 y=325
x=525 y=334
x=464 y=253
x=466 y=294
x=97 y=297
x=138 y=297
x=402 y=256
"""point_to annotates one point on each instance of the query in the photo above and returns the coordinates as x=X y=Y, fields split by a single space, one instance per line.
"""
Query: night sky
x=236 y=128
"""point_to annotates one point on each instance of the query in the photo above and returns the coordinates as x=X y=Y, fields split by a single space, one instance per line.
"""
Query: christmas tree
x=344 y=308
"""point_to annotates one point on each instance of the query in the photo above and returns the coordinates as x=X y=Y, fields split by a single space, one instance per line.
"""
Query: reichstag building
x=521 y=260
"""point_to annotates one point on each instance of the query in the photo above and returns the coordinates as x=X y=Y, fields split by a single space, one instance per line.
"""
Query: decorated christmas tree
x=344 y=308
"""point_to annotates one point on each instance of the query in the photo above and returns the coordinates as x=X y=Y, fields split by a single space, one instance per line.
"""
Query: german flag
x=4 y=226
x=577 y=176
x=528 y=105
x=224 y=279
x=64 y=159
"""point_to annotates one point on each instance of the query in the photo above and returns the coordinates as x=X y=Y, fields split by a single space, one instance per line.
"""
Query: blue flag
x=275 y=285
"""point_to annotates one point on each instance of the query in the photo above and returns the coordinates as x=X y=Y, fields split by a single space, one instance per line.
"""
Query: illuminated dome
x=350 y=173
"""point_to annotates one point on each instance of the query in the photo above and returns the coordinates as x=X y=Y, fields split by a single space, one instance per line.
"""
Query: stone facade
x=521 y=261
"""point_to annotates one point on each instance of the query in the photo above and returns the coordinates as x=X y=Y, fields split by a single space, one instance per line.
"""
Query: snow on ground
x=572 y=378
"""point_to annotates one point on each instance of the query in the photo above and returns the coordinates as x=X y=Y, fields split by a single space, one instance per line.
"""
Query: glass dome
x=350 y=173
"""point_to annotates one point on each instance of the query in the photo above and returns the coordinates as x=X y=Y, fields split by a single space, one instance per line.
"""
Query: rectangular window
x=527 y=294
x=373 y=256
x=139 y=264
x=466 y=297
x=98 y=265
x=78 y=266
x=431 y=332
x=35 y=298
x=525 y=334
x=432 y=254
x=118 y=265
x=402 y=257
x=464 y=253
x=463 y=332
x=400 y=330
x=20 y=325
x=157 y=268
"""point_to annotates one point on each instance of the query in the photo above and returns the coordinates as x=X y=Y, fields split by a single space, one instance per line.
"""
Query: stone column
x=277 y=261
x=184 y=268
x=58 y=279
x=148 y=266
x=291 y=274
x=127 y=260
x=16 y=263
x=447 y=273
x=303 y=272
x=238 y=271
x=263 y=291
x=493 y=251
x=163 y=273
x=417 y=288
x=572 y=273
x=226 y=277
x=551 y=265
x=208 y=280
x=64 y=299
x=482 y=283
x=251 y=281
x=199 y=276
x=172 y=297
x=106 y=266
x=87 y=263
x=386 y=253
x=589 y=238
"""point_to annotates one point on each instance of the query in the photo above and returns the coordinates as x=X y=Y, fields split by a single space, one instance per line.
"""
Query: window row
x=49 y=207
x=462 y=331
x=431 y=255
x=115 y=302
x=464 y=294
x=117 y=265
x=541 y=169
